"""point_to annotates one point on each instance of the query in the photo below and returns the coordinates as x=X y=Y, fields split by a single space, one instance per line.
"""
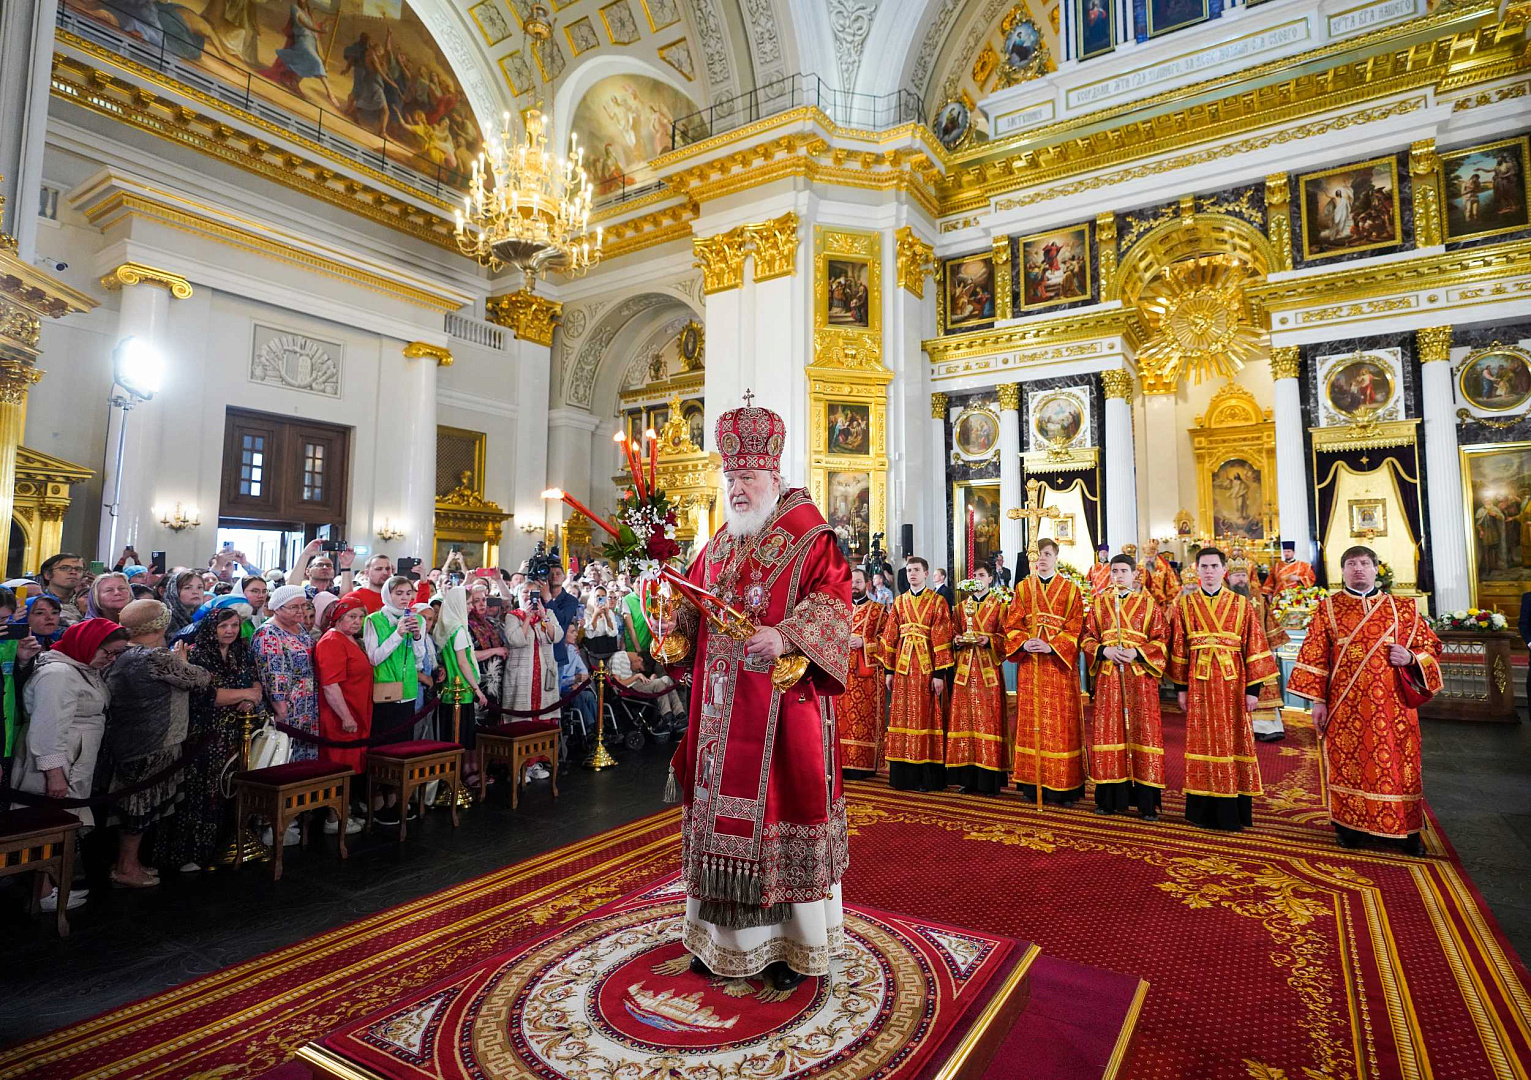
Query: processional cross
x=1035 y=510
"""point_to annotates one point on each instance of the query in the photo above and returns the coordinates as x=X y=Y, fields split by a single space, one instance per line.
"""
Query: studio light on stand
x=138 y=370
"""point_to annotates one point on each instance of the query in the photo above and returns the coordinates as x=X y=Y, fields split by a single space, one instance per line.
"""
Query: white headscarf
x=454 y=614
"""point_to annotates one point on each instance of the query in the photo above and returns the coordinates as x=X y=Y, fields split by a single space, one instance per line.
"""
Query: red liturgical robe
x=1218 y=651
x=1126 y=743
x=1099 y=578
x=1288 y=575
x=860 y=711
x=976 y=733
x=916 y=647
x=1047 y=684
x=764 y=813
x=1372 y=742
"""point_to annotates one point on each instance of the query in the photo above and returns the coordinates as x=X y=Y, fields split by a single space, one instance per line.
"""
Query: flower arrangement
x=1472 y=619
x=1385 y=577
x=645 y=533
x=1294 y=607
x=970 y=585
x=1070 y=571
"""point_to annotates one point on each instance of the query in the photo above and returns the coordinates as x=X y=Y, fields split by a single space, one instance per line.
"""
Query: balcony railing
x=869 y=112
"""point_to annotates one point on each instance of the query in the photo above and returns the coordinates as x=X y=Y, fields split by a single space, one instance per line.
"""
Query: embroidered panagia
x=1047 y=684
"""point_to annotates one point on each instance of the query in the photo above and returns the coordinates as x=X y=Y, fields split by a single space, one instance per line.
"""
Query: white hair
x=747 y=523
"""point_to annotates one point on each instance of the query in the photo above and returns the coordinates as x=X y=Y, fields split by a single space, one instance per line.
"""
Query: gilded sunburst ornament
x=1199 y=320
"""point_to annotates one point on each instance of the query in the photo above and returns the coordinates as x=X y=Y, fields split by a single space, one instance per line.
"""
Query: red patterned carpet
x=1271 y=954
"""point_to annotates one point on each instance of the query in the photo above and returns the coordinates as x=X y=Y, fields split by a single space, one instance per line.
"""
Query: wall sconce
x=532 y=527
x=388 y=533
x=178 y=519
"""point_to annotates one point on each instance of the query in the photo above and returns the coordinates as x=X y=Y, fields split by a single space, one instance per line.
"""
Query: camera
x=875 y=557
x=47 y=262
x=541 y=564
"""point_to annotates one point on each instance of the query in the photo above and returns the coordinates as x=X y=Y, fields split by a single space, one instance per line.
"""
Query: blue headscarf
x=218 y=603
x=46 y=640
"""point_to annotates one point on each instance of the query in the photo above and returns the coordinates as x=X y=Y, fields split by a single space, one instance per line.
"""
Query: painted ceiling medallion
x=1025 y=55
x=1199 y=320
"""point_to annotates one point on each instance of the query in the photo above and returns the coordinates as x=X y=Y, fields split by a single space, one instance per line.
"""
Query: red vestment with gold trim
x=1099 y=577
x=975 y=732
x=1218 y=652
x=1126 y=743
x=1047 y=684
x=1289 y=575
x=1275 y=637
x=860 y=712
x=1372 y=742
x=916 y=647
x=1158 y=578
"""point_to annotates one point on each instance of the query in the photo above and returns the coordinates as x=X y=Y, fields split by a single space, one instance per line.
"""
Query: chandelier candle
x=651 y=440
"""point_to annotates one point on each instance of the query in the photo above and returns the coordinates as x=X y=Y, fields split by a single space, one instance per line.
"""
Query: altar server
x=861 y=711
x=1042 y=631
x=1290 y=572
x=976 y=732
x=1267 y=719
x=917 y=653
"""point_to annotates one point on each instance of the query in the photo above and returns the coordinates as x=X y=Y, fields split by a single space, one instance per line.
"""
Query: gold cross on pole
x=1035 y=510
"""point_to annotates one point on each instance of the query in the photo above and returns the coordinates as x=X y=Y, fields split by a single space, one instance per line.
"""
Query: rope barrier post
x=459 y=695
x=244 y=836
x=600 y=758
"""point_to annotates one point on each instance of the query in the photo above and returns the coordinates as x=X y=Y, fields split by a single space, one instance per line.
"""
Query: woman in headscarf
x=454 y=639
x=66 y=702
x=284 y=658
x=146 y=729
x=489 y=645
x=345 y=691
x=108 y=595
x=428 y=668
x=394 y=641
x=531 y=671
x=183 y=595
x=43 y=615
x=193 y=838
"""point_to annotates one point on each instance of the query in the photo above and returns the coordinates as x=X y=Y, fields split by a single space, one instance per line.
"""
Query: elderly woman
x=184 y=593
x=148 y=722
x=489 y=645
x=345 y=691
x=108 y=595
x=284 y=659
x=193 y=838
x=531 y=672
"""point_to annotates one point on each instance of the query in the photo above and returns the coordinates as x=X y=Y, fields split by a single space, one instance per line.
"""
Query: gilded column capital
x=1285 y=360
x=775 y=246
x=416 y=350
x=1004 y=305
x=529 y=316
x=1278 y=219
x=1434 y=343
x=938 y=406
x=1105 y=254
x=1010 y=397
x=19 y=327
x=16 y=378
x=721 y=258
x=132 y=273
x=916 y=260
x=1425 y=174
x=1117 y=383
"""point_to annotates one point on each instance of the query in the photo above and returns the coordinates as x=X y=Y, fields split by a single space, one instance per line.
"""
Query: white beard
x=744 y=524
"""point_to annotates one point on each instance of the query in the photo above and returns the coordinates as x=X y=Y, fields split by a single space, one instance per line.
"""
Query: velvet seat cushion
x=30 y=819
x=412 y=748
x=293 y=772
x=521 y=727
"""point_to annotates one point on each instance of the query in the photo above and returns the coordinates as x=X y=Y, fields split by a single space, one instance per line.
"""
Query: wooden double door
x=281 y=473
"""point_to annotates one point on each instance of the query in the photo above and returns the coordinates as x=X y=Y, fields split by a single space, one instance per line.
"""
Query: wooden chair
x=410 y=766
x=34 y=839
x=518 y=745
x=282 y=792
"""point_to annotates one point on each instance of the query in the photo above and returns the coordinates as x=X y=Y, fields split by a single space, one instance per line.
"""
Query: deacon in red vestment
x=1126 y=643
x=1218 y=660
x=1042 y=632
x=861 y=711
x=1267 y=722
x=1099 y=576
x=1289 y=572
x=1361 y=644
x=763 y=833
x=975 y=734
x=1155 y=574
x=917 y=652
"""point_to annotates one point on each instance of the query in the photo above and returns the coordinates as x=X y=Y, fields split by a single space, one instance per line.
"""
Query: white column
x=1121 y=461
x=935 y=552
x=1291 y=464
x=418 y=433
x=1009 y=470
x=777 y=308
x=535 y=367
x=144 y=314
x=1443 y=472
x=26 y=64
x=1161 y=443
x=570 y=449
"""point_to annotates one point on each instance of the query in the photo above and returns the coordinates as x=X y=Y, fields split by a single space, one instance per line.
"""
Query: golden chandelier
x=525 y=207
x=1199 y=319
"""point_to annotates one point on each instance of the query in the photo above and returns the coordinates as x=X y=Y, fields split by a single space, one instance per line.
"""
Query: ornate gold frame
x=943 y=290
x=1078 y=6
x=1235 y=426
x=484 y=30
x=1489 y=350
x=1020 y=267
x=1302 y=196
x=1355 y=506
x=967 y=136
x=987 y=409
x=1153 y=32
x=959 y=569
x=853 y=346
x=1386 y=363
x=1522 y=141
x=1504 y=595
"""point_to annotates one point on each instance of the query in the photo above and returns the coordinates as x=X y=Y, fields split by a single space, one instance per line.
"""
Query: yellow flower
x=1472 y=611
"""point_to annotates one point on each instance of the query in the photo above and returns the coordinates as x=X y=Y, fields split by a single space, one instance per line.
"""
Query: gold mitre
x=1239 y=565
x=1188 y=576
x=1130 y=549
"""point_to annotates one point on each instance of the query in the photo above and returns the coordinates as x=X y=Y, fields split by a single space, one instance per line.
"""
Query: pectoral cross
x=1035 y=510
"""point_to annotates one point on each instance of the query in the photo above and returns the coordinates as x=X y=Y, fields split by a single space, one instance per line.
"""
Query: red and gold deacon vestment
x=1158 y=578
x=1126 y=736
x=916 y=647
x=1288 y=575
x=763 y=830
x=1218 y=654
x=1372 y=742
x=975 y=732
x=1047 y=684
x=1099 y=578
x=860 y=712
x=1268 y=713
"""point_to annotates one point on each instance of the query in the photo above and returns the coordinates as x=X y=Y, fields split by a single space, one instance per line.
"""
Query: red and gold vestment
x=1047 y=684
x=861 y=711
x=1126 y=743
x=1288 y=575
x=975 y=732
x=916 y=647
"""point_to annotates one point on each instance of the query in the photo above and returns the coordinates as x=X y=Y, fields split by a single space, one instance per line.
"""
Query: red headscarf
x=81 y=640
x=349 y=602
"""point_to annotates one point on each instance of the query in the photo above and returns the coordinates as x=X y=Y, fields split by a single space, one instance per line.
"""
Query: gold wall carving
x=839 y=344
x=1278 y=220
x=1425 y=172
x=642 y=231
x=1117 y=383
x=465 y=519
x=1434 y=344
x=529 y=316
x=1003 y=294
x=41 y=499
x=1105 y=248
x=1009 y=395
x=1078 y=325
x=938 y=404
x=829 y=469
x=1363 y=435
x=692 y=478
x=915 y=259
x=721 y=258
x=132 y=273
x=417 y=350
x=1285 y=361
x=1235 y=428
x=774 y=244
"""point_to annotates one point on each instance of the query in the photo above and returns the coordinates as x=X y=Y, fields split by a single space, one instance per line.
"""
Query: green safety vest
x=8 y=669
x=449 y=658
x=399 y=667
x=640 y=624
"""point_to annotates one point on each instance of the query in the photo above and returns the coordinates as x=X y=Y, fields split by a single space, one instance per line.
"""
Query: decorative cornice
x=1434 y=344
x=662 y=226
x=1106 y=253
x=915 y=260
x=529 y=316
x=132 y=273
x=1077 y=325
x=16 y=378
x=774 y=244
x=1117 y=383
x=1425 y=177
x=938 y=403
x=1278 y=219
x=1285 y=361
x=721 y=258
x=1009 y=395
x=417 y=350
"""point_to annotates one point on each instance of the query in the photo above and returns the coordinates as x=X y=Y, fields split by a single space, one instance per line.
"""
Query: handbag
x=386 y=692
x=269 y=746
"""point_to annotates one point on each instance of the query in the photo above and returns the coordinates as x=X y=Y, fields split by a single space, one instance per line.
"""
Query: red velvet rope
x=579 y=688
x=377 y=738
x=32 y=798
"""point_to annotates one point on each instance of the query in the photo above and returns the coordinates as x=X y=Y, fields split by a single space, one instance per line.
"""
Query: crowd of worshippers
x=926 y=698
x=146 y=683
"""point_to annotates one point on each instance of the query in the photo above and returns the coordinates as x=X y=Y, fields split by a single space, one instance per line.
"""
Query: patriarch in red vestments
x=917 y=651
x=975 y=734
x=1290 y=572
x=1042 y=631
x=1361 y=646
x=1218 y=661
x=1126 y=643
x=861 y=711
x=763 y=830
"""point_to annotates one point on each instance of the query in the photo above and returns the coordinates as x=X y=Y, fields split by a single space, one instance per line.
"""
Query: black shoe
x=1273 y=737
x=388 y=815
x=1068 y=804
x=1414 y=844
x=782 y=977
x=699 y=967
x=1104 y=811
x=1149 y=817
x=1347 y=840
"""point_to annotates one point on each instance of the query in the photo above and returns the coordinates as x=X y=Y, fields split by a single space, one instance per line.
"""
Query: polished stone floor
x=129 y=944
